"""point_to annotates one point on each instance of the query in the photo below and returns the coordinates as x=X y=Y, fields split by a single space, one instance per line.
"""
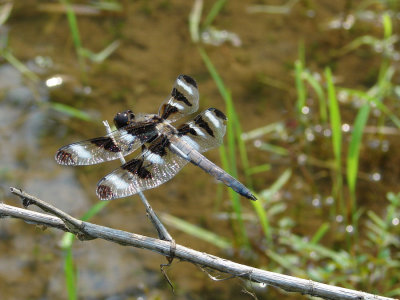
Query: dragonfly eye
x=123 y=118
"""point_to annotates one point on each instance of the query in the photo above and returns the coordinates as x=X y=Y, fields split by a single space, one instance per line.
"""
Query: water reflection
x=54 y=81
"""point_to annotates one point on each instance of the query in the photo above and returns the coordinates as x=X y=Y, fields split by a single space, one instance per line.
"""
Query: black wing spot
x=135 y=166
x=189 y=80
x=203 y=124
x=218 y=113
x=178 y=96
x=168 y=110
x=159 y=147
x=185 y=129
x=145 y=133
x=107 y=143
x=140 y=129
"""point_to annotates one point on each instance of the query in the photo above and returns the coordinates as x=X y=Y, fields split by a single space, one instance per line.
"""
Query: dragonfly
x=164 y=148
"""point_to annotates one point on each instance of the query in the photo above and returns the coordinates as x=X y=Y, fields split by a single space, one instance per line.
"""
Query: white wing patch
x=185 y=86
x=212 y=118
x=127 y=138
x=198 y=130
x=81 y=151
x=177 y=105
x=155 y=158
x=117 y=181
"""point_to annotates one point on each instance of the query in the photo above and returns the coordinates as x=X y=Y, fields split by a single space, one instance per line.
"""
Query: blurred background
x=311 y=90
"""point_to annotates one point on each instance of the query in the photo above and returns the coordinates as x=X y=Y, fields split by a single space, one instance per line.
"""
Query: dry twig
x=85 y=230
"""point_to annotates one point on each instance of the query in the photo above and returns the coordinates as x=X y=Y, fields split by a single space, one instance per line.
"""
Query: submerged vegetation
x=324 y=174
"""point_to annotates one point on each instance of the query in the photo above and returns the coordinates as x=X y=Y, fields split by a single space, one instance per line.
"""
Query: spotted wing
x=205 y=131
x=184 y=99
x=97 y=150
x=154 y=166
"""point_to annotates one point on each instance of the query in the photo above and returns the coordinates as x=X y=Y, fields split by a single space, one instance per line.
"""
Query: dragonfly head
x=123 y=118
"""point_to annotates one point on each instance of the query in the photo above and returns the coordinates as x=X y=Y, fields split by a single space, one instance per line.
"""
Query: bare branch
x=287 y=283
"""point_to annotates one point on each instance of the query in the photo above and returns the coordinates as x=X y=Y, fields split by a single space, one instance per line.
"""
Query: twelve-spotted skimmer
x=165 y=149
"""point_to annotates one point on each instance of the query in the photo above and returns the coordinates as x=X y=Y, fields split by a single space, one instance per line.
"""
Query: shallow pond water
x=154 y=47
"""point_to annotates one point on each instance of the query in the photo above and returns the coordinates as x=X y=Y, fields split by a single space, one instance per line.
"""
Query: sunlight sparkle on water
x=310 y=13
x=339 y=218
x=376 y=176
x=385 y=146
x=316 y=202
x=395 y=221
x=301 y=159
x=343 y=96
x=318 y=128
x=327 y=132
x=345 y=127
x=345 y=23
x=257 y=143
x=87 y=90
x=329 y=200
x=309 y=135
x=349 y=229
x=305 y=110
x=54 y=81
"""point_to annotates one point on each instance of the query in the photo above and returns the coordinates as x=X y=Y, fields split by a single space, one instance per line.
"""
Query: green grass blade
x=16 y=63
x=258 y=132
x=286 y=261
x=71 y=111
x=336 y=123
x=66 y=244
x=276 y=186
x=382 y=107
x=231 y=142
x=68 y=238
x=103 y=54
x=73 y=26
x=107 y=6
x=196 y=231
x=301 y=90
x=322 y=230
x=242 y=149
x=393 y=293
x=214 y=74
x=354 y=149
x=323 y=111
x=274 y=149
x=335 y=119
x=94 y=210
x=230 y=133
x=70 y=274
x=259 y=169
x=262 y=216
x=215 y=9
x=377 y=220
x=387 y=26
